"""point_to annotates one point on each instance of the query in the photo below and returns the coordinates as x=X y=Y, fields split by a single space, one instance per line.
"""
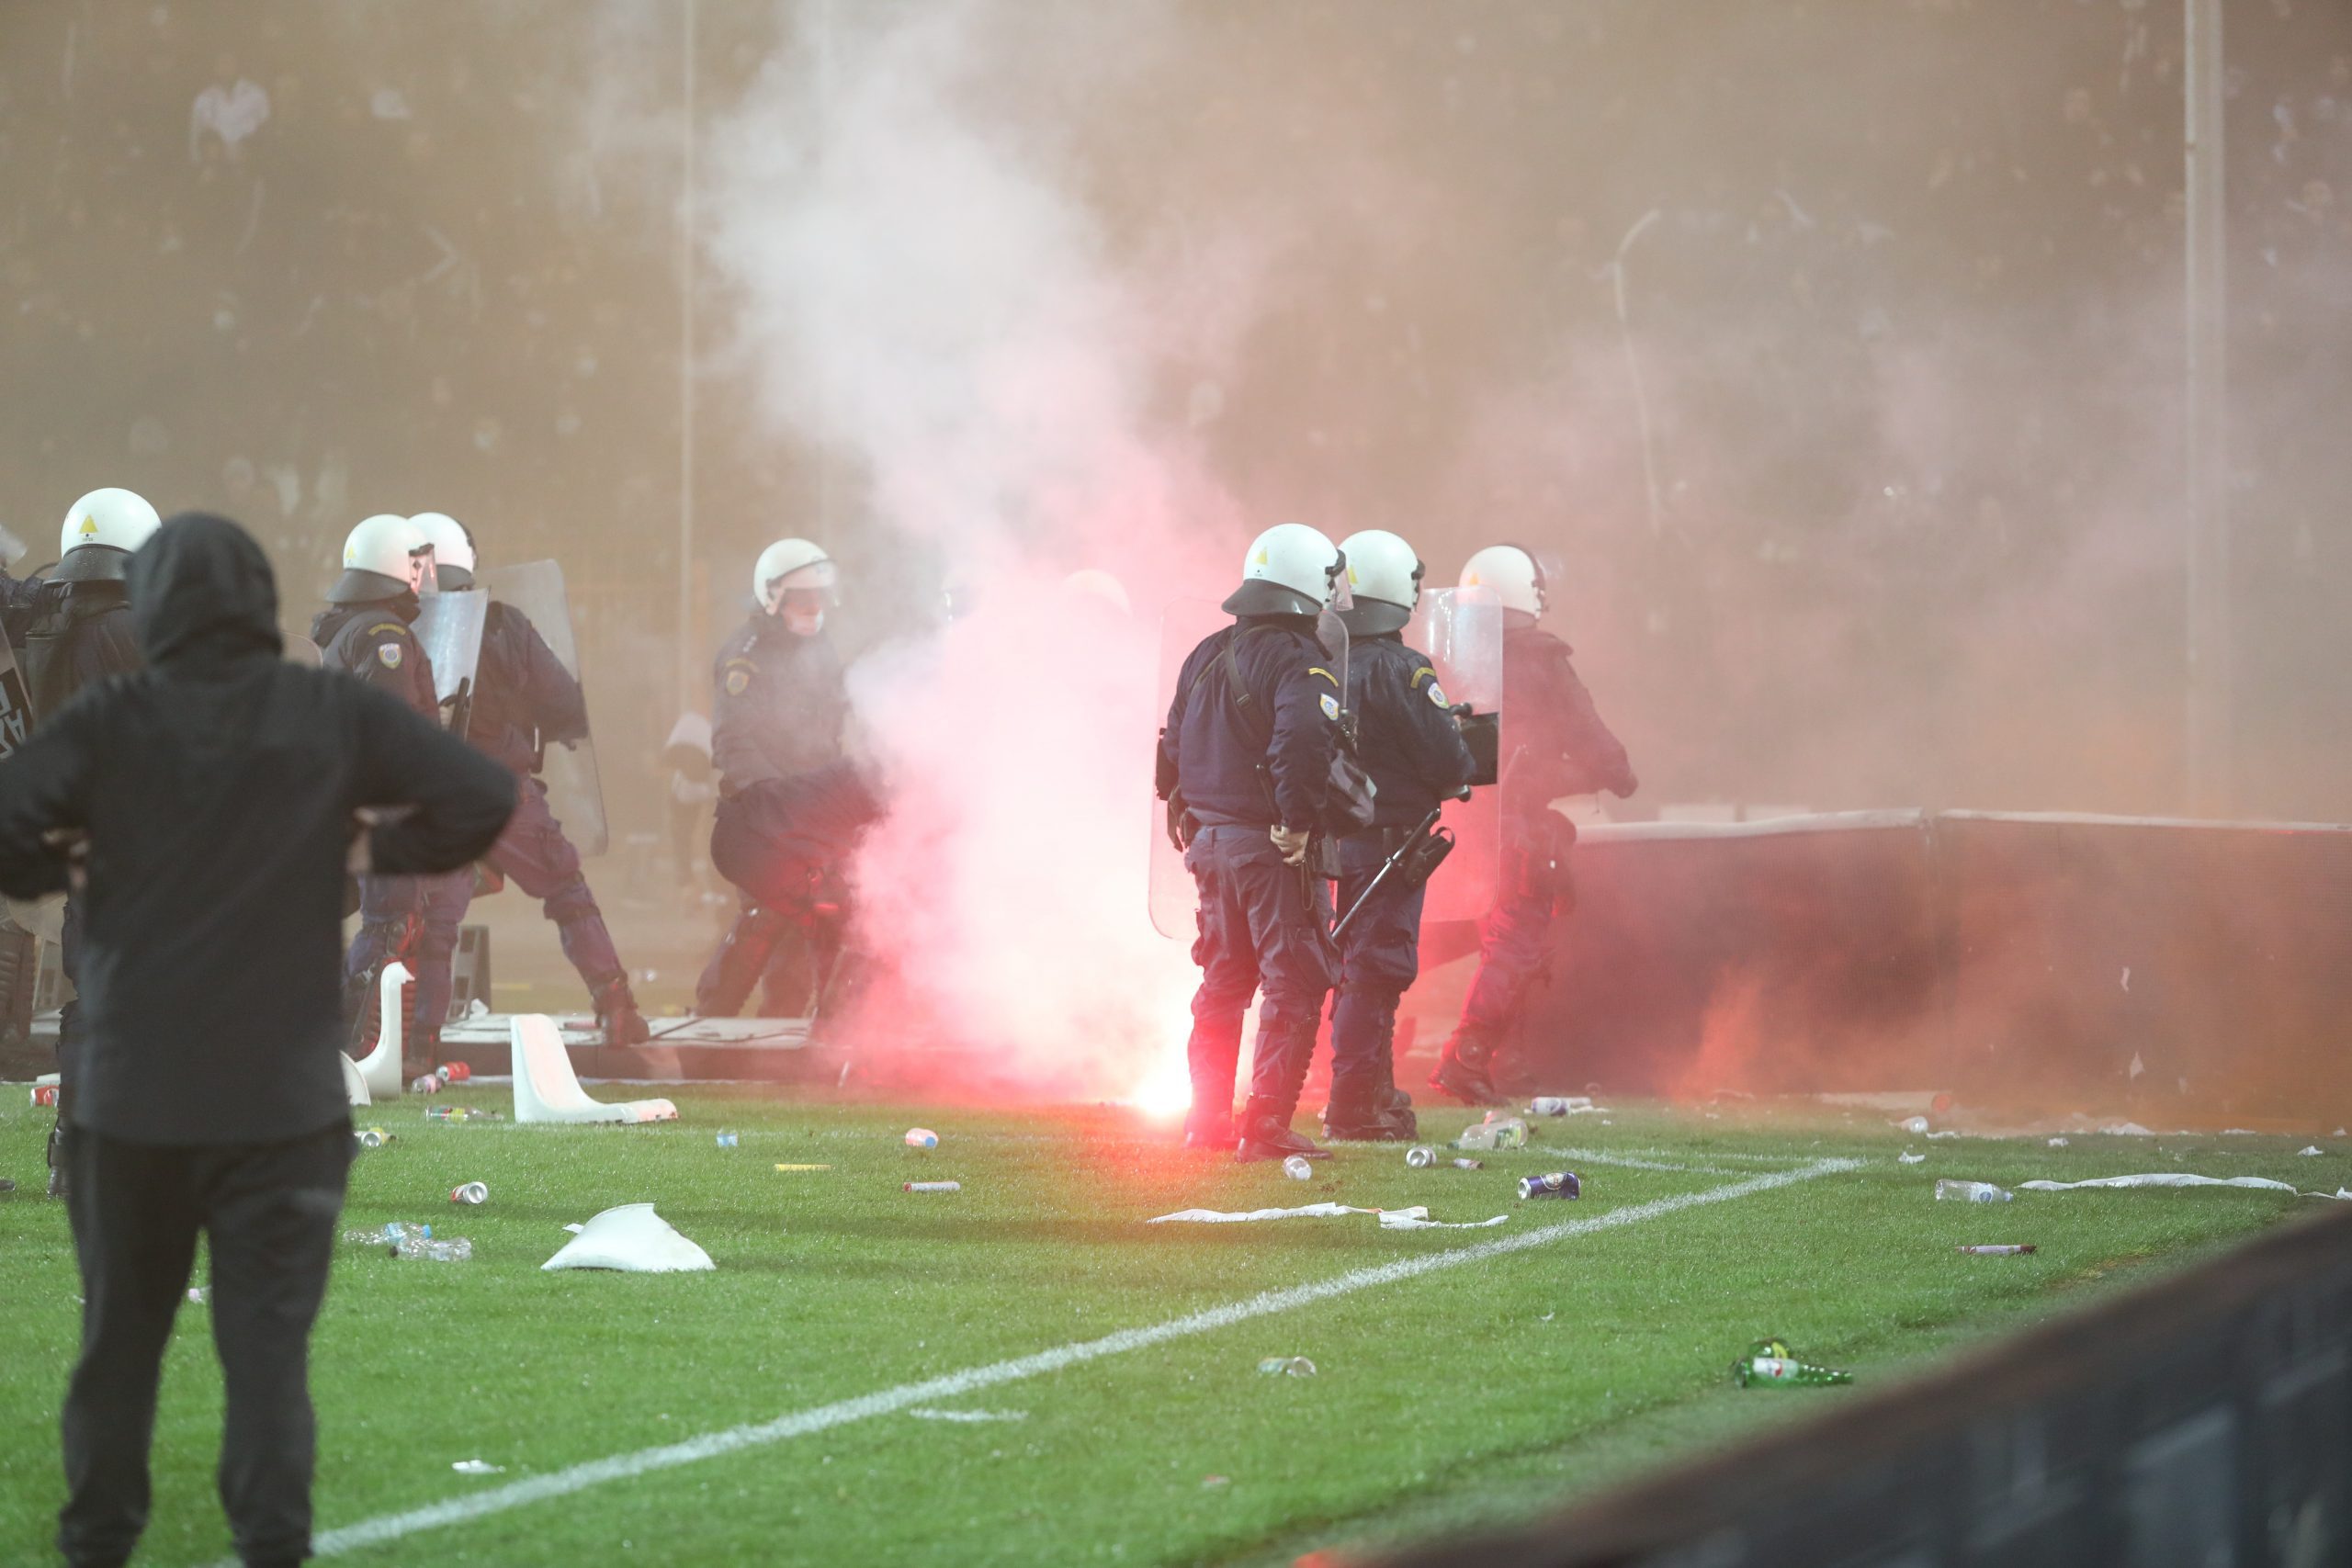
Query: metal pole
x=688 y=659
x=2209 y=737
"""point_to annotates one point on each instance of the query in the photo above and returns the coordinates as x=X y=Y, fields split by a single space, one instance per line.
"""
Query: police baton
x=1395 y=857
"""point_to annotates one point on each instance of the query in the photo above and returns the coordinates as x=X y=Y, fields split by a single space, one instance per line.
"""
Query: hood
x=201 y=589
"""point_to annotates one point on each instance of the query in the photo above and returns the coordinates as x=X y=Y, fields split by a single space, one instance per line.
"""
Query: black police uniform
x=72 y=630
x=370 y=638
x=1554 y=744
x=1411 y=746
x=1240 y=768
x=524 y=701
x=790 y=805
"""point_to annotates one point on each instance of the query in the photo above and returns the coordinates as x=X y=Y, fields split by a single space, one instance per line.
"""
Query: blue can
x=1557 y=1184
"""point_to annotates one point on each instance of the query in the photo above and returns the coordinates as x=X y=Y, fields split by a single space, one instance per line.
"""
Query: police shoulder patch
x=738 y=679
x=1331 y=706
x=1421 y=674
x=387 y=654
x=1437 y=695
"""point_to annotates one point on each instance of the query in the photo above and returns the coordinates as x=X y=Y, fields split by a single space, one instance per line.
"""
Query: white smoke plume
x=924 y=299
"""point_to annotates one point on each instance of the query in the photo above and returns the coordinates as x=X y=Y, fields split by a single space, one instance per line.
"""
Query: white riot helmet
x=794 y=579
x=453 y=549
x=1384 y=577
x=384 y=557
x=99 y=534
x=1513 y=573
x=1291 y=569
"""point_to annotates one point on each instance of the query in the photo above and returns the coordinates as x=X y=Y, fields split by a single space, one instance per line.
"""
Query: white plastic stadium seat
x=353 y=1083
x=381 y=1070
x=546 y=1090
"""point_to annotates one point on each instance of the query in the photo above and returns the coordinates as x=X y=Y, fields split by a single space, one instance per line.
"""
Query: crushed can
x=425 y=1083
x=1469 y=1165
x=934 y=1186
x=1420 y=1157
x=44 y=1094
x=1552 y=1184
x=1996 y=1251
x=471 y=1193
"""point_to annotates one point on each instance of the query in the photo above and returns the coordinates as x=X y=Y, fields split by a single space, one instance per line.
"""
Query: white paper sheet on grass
x=1416 y=1218
x=2172 y=1179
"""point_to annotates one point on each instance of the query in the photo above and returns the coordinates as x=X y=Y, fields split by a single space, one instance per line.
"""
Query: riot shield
x=449 y=627
x=1460 y=629
x=1183 y=626
x=575 y=790
x=16 y=704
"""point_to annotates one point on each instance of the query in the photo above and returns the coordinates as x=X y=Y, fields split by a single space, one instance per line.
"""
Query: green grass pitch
x=1454 y=1396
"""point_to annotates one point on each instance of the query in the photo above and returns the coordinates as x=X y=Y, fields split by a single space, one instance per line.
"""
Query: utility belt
x=1389 y=840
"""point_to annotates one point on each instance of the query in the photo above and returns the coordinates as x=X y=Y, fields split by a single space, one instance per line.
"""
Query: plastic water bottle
x=1949 y=1190
x=401 y=1240
x=1769 y=1364
x=922 y=1138
x=1558 y=1105
x=729 y=1141
x=425 y=1083
x=1286 y=1366
x=460 y=1113
x=1511 y=1133
x=1298 y=1167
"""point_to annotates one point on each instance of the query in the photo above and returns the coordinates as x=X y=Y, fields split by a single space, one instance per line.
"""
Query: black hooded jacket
x=217 y=788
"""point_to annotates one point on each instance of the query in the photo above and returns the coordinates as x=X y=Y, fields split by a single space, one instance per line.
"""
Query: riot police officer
x=1554 y=744
x=364 y=631
x=524 y=699
x=1412 y=744
x=74 y=628
x=1244 y=765
x=790 y=804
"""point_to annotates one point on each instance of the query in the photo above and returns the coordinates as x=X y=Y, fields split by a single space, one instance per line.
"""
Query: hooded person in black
x=204 y=808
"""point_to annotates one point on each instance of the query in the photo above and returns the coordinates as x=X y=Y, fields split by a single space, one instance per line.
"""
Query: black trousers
x=269 y=1212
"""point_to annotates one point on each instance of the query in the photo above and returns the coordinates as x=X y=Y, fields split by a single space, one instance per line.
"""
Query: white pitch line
x=956 y=1385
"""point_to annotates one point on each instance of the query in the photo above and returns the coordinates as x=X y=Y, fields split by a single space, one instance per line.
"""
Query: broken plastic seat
x=354 y=1083
x=380 y=1070
x=633 y=1239
x=546 y=1090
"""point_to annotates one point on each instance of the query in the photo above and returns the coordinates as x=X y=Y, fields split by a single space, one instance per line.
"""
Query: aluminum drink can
x=44 y=1094
x=453 y=1072
x=1553 y=1184
x=471 y=1193
x=934 y=1186
x=372 y=1137
x=1420 y=1157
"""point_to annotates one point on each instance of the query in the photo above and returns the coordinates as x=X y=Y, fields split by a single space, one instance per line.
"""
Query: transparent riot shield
x=1182 y=626
x=575 y=791
x=1460 y=629
x=16 y=704
x=449 y=627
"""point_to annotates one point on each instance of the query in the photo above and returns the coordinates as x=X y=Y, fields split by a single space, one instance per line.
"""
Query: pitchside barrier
x=2206 y=1419
x=2171 y=973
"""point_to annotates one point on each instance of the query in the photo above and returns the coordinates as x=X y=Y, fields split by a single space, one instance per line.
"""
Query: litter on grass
x=631 y=1239
x=1412 y=1219
x=804 y=1167
x=1769 y=1364
x=931 y=1186
x=1908 y=1157
x=1972 y=1192
x=197 y=1295
x=1996 y=1251
x=478 y=1467
x=928 y=1414
x=2057 y=1143
x=1286 y=1366
x=922 y=1138
x=2174 y=1178
x=2308 y=1149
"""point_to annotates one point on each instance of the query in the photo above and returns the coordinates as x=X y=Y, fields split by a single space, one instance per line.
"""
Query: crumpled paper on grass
x=1413 y=1219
